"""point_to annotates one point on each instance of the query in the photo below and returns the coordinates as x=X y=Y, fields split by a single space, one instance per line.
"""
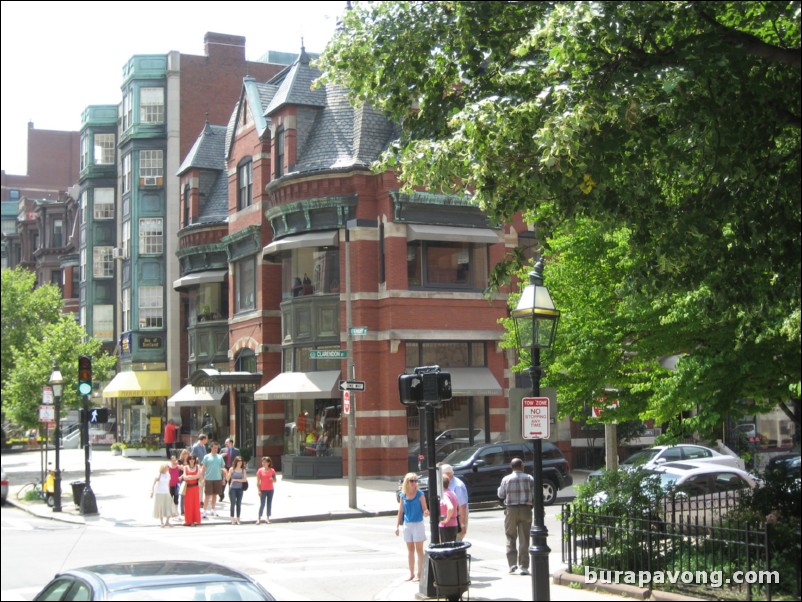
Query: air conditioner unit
x=152 y=181
x=119 y=253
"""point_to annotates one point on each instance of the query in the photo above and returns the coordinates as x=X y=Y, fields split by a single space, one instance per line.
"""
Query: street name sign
x=352 y=385
x=328 y=354
x=359 y=330
x=535 y=423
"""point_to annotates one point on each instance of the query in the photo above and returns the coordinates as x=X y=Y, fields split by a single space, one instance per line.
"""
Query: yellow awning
x=154 y=383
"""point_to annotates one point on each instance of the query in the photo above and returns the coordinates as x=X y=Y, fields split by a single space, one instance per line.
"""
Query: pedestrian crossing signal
x=98 y=415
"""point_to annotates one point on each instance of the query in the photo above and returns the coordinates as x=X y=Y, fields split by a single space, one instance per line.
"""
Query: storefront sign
x=150 y=342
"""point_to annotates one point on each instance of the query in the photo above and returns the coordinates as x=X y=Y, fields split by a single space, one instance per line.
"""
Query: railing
x=693 y=550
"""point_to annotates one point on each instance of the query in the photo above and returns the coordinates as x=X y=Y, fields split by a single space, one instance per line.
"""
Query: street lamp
x=57 y=382
x=535 y=320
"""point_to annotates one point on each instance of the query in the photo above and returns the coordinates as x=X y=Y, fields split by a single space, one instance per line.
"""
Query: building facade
x=331 y=274
x=164 y=101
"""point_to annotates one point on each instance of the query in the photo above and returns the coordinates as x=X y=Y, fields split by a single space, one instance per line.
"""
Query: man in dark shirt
x=517 y=493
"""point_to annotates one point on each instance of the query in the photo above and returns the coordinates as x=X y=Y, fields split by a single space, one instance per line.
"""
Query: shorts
x=414 y=532
x=213 y=487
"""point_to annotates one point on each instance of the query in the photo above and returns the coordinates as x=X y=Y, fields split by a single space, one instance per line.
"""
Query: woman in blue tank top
x=411 y=511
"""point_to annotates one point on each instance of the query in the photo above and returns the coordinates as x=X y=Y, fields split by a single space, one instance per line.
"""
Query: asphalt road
x=354 y=559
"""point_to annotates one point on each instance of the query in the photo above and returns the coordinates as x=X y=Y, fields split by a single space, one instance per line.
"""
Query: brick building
x=317 y=247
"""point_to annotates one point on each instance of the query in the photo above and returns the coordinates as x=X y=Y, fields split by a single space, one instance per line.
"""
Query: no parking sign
x=535 y=421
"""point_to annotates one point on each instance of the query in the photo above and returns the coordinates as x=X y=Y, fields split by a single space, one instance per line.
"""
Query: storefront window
x=313 y=427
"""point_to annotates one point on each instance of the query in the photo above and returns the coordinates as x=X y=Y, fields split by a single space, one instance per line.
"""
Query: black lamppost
x=57 y=382
x=535 y=320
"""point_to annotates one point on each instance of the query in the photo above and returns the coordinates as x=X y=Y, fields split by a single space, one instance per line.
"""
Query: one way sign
x=352 y=385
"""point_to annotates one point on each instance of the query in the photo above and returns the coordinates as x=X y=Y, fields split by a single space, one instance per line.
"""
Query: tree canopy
x=655 y=145
x=35 y=333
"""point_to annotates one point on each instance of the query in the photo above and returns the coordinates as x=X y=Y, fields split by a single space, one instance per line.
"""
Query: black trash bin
x=452 y=568
x=77 y=491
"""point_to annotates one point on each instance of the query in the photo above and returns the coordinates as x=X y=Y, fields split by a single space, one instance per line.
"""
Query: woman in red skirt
x=192 y=512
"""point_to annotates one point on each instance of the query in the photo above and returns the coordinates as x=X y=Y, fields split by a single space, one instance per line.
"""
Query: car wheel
x=549 y=492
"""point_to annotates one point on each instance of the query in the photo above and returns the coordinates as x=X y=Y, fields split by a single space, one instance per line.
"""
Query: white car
x=700 y=493
x=660 y=454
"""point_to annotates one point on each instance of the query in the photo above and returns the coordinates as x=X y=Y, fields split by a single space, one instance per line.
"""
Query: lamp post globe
x=535 y=319
x=57 y=382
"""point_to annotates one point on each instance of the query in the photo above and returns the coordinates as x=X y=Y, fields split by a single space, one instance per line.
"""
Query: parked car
x=660 y=454
x=154 y=580
x=787 y=464
x=441 y=450
x=481 y=468
x=463 y=434
x=697 y=492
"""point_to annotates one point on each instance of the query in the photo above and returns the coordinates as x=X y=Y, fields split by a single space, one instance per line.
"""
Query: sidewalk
x=115 y=481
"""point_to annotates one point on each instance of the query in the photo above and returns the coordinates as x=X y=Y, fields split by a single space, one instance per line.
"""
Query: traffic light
x=84 y=375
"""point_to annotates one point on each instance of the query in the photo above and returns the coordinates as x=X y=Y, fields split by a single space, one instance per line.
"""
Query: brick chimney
x=224 y=46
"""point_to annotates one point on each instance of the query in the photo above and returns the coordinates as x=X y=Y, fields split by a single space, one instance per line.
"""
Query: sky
x=60 y=57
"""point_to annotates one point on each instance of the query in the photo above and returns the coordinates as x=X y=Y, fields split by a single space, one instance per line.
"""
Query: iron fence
x=687 y=544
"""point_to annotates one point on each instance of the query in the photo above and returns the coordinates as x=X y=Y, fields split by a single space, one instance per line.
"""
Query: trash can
x=451 y=565
x=77 y=491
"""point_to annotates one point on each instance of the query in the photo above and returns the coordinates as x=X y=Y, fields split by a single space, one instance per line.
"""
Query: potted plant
x=205 y=312
x=117 y=448
x=153 y=450
x=132 y=451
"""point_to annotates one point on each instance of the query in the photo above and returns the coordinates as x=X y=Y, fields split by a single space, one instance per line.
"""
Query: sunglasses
x=413 y=480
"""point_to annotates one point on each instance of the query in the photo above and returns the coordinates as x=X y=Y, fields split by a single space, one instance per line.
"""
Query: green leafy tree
x=664 y=134
x=39 y=339
x=27 y=311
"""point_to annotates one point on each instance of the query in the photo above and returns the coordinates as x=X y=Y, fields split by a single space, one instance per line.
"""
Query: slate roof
x=207 y=152
x=295 y=88
x=339 y=136
x=208 y=156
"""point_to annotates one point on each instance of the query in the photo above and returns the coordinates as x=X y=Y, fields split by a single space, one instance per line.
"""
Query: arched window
x=246 y=361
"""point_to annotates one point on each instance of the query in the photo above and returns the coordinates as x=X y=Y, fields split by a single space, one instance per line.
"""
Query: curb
x=69 y=517
x=563 y=577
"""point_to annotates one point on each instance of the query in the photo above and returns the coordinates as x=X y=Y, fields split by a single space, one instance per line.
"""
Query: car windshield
x=641 y=457
x=667 y=479
x=460 y=456
x=231 y=590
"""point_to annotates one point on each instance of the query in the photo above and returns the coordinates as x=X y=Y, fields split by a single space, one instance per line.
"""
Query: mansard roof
x=295 y=86
x=343 y=136
x=207 y=152
x=208 y=156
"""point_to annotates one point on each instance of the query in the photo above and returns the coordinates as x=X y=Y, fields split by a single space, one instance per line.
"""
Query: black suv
x=481 y=468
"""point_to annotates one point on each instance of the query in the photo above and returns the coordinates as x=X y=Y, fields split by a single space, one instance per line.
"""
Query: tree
x=27 y=311
x=668 y=132
x=38 y=336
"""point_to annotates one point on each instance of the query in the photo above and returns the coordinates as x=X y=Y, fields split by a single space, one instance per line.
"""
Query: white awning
x=301 y=385
x=195 y=396
x=197 y=278
x=452 y=234
x=327 y=238
x=473 y=382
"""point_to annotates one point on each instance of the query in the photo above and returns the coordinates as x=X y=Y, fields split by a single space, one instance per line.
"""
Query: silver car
x=154 y=580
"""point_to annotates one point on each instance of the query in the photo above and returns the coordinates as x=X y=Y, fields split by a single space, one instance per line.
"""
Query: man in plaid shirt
x=517 y=493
